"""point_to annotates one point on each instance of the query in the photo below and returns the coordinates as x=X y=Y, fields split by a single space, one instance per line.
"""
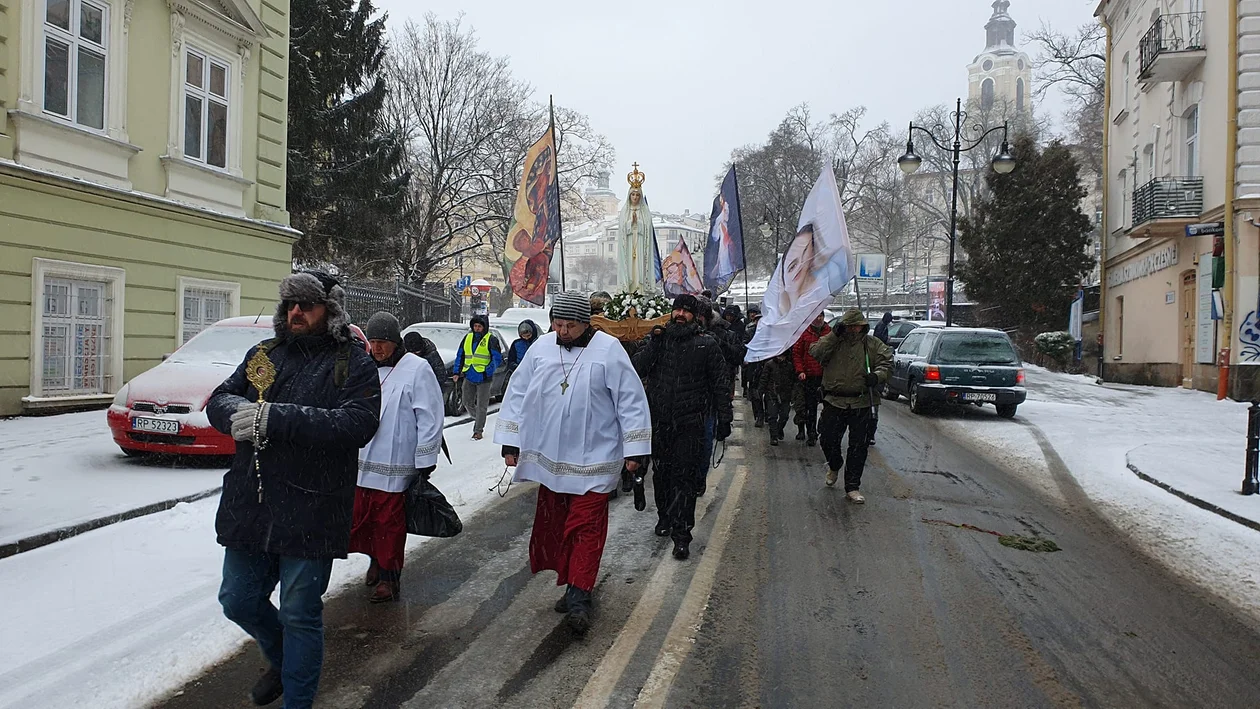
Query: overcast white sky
x=722 y=74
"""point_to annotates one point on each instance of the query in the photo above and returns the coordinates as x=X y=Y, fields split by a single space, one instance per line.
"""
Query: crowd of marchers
x=333 y=434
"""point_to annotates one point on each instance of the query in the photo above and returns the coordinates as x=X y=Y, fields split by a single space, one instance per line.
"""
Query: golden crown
x=636 y=178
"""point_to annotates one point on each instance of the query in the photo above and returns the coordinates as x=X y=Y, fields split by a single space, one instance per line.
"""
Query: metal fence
x=1167 y=197
x=410 y=303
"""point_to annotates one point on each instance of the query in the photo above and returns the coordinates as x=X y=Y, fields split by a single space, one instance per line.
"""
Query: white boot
x=832 y=476
x=856 y=497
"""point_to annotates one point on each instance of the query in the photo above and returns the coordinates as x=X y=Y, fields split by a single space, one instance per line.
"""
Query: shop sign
x=1153 y=262
x=1205 y=328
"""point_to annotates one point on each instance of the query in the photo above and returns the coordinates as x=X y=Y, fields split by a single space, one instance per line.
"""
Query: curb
x=63 y=533
x=1204 y=504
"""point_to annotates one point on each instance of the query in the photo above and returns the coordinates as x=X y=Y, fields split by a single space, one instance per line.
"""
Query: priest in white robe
x=405 y=446
x=574 y=414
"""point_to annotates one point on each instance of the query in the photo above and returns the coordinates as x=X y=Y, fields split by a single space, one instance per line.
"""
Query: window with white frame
x=76 y=336
x=1123 y=86
x=76 y=35
x=1192 y=141
x=205 y=109
x=203 y=303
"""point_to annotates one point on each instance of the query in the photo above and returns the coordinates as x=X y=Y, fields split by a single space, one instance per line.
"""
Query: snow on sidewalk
x=59 y=471
x=1097 y=430
x=56 y=471
x=122 y=615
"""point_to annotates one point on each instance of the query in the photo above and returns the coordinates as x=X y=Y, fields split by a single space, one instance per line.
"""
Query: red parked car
x=162 y=411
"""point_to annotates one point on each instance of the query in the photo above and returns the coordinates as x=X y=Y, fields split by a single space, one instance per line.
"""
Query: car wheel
x=916 y=403
x=1007 y=411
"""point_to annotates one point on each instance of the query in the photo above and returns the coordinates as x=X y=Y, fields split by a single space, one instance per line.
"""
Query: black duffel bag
x=428 y=512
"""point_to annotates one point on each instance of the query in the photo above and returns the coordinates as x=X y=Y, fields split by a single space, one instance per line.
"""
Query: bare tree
x=1076 y=63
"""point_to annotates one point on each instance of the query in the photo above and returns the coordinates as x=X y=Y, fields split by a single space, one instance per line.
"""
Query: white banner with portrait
x=818 y=264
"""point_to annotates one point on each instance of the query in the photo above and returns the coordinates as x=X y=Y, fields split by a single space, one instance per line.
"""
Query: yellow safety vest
x=477 y=359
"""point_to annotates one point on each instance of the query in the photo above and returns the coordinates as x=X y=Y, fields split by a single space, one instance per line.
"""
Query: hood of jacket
x=485 y=322
x=533 y=327
x=855 y=317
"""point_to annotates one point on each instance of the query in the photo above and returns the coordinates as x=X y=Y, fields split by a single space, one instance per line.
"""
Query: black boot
x=640 y=495
x=800 y=433
x=267 y=689
x=562 y=605
x=758 y=423
x=773 y=441
x=812 y=440
x=681 y=551
x=579 y=610
x=662 y=528
x=627 y=481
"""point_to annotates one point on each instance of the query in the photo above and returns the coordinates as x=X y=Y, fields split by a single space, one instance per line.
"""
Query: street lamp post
x=1003 y=163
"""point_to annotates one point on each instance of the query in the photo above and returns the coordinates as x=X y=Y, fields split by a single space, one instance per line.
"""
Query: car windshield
x=220 y=345
x=976 y=348
x=901 y=329
x=444 y=338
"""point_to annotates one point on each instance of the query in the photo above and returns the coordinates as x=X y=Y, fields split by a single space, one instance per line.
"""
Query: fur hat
x=313 y=287
x=687 y=302
x=706 y=308
x=571 y=305
x=383 y=326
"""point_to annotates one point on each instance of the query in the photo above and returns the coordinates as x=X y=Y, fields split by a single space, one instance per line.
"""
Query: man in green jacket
x=854 y=363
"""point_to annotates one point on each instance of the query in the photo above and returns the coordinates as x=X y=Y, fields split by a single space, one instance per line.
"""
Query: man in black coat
x=288 y=498
x=686 y=379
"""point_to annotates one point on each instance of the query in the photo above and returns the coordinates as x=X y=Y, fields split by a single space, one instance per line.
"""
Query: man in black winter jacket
x=686 y=379
x=288 y=498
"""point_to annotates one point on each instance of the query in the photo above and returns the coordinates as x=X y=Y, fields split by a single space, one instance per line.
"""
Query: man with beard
x=287 y=500
x=854 y=363
x=809 y=373
x=574 y=414
x=404 y=449
x=686 y=379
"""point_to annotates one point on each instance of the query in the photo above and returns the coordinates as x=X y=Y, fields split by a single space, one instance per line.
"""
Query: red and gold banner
x=535 y=227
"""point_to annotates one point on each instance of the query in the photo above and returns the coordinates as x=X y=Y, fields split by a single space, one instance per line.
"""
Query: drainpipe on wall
x=1231 y=179
x=1105 y=227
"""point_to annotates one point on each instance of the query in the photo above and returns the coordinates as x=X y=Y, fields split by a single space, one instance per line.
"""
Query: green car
x=940 y=366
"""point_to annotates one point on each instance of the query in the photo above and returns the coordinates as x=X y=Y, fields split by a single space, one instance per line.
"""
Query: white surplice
x=575 y=441
x=410 y=433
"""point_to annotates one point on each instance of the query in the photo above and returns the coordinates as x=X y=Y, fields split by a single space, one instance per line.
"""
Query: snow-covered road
x=120 y=615
x=1073 y=440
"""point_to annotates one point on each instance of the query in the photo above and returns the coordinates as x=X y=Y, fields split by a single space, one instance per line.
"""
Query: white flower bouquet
x=645 y=306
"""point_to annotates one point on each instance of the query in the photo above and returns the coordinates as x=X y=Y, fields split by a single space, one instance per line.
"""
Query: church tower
x=1001 y=74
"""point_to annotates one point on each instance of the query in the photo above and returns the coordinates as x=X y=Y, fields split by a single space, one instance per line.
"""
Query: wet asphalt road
x=795 y=598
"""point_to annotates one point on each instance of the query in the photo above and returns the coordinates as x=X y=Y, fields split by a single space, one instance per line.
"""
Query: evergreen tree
x=1026 y=242
x=345 y=184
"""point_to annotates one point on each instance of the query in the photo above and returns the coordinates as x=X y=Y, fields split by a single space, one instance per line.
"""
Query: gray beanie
x=383 y=326
x=571 y=305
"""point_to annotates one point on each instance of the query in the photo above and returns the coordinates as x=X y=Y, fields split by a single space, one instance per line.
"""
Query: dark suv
x=958 y=366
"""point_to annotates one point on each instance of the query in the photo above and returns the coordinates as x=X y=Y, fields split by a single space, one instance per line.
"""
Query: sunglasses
x=305 y=306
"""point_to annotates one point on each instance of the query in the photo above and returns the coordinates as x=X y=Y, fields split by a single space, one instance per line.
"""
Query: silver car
x=447 y=338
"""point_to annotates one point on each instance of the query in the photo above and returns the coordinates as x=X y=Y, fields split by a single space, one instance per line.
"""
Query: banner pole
x=551 y=106
x=743 y=251
x=858 y=292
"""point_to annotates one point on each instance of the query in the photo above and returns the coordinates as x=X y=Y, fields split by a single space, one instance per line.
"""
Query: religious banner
x=818 y=264
x=680 y=272
x=724 y=251
x=535 y=226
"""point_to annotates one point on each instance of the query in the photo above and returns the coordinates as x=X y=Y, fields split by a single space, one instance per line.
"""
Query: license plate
x=154 y=425
x=979 y=397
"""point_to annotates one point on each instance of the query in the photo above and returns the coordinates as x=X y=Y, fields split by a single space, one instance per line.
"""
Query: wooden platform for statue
x=631 y=329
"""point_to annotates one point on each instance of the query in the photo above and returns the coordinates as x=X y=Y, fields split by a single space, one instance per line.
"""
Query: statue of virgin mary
x=636 y=255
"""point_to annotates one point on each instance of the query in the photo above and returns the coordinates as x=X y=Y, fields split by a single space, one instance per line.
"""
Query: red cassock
x=569 y=535
x=379 y=526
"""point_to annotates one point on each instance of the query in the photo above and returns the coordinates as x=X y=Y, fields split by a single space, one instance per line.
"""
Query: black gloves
x=872 y=380
x=723 y=430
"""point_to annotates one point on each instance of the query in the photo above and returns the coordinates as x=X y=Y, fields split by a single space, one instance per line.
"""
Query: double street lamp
x=1003 y=163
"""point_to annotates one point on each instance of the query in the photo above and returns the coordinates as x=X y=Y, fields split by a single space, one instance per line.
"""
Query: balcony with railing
x=1172 y=48
x=1168 y=198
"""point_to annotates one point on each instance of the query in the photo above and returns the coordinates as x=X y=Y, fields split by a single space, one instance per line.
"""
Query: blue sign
x=870 y=267
x=463 y=282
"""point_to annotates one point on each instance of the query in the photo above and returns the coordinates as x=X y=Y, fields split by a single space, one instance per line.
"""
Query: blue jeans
x=292 y=637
